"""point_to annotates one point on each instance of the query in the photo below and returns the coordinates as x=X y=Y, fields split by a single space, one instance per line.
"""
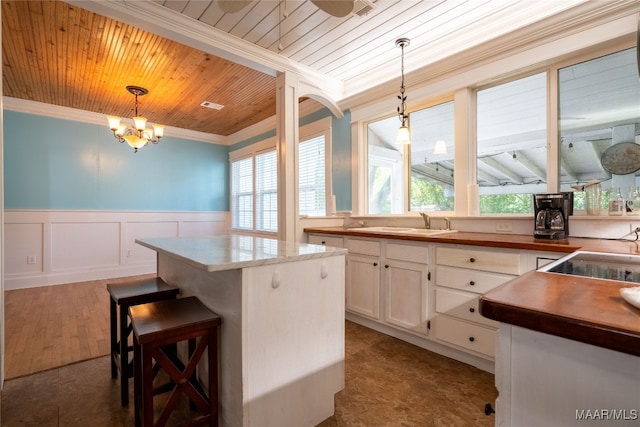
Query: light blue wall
x=340 y=153
x=62 y=164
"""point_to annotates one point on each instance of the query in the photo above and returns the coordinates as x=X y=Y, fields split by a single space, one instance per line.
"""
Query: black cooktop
x=601 y=266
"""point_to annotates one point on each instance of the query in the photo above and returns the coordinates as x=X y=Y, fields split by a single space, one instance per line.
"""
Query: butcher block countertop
x=496 y=240
x=583 y=309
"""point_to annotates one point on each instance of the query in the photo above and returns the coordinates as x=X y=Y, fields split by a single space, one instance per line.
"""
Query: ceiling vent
x=212 y=105
x=362 y=7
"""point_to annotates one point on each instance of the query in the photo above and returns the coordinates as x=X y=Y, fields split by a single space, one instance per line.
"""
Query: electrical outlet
x=31 y=260
x=504 y=227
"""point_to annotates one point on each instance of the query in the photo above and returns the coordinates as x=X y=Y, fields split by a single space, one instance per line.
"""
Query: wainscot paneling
x=44 y=247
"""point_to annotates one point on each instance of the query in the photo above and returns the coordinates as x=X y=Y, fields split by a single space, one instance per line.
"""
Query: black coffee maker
x=552 y=215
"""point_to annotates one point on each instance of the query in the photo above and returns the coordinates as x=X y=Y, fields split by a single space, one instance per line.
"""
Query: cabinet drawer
x=469 y=280
x=334 y=242
x=473 y=337
x=480 y=259
x=463 y=305
x=365 y=247
x=417 y=254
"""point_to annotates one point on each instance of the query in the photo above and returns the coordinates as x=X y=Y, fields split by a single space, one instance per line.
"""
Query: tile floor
x=388 y=383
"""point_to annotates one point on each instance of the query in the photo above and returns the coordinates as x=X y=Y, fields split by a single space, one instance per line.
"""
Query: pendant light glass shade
x=404 y=137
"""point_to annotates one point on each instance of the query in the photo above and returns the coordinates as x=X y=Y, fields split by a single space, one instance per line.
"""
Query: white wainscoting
x=46 y=247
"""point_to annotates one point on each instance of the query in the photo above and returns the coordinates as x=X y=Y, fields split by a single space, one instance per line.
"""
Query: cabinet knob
x=472 y=310
x=472 y=260
x=386 y=266
x=472 y=339
x=375 y=264
x=472 y=283
x=323 y=242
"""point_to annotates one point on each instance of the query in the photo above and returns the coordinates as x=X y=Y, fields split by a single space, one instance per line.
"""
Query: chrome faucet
x=447 y=223
x=427 y=220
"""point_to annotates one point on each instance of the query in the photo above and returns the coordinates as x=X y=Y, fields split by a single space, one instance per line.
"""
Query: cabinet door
x=406 y=295
x=363 y=285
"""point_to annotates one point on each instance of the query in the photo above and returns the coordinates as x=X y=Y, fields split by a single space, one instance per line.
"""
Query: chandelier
x=138 y=135
x=404 y=137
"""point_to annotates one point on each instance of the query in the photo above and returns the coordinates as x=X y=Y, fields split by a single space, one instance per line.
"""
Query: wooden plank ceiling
x=60 y=54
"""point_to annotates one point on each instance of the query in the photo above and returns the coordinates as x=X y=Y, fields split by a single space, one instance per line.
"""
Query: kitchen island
x=282 y=337
x=568 y=351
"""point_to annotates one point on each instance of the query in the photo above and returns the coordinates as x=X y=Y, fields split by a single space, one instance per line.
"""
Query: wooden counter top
x=578 y=308
x=499 y=240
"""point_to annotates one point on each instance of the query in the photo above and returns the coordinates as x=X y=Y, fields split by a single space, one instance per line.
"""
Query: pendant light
x=404 y=136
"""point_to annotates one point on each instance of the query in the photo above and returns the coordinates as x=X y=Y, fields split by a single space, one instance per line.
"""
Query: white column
x=465 y=150
x=287 y=139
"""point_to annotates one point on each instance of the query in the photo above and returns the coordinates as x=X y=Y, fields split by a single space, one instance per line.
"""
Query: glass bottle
x=633 y=201
x=616 y=204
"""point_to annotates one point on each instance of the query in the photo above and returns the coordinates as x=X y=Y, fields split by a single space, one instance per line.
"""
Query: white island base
x=282 y=337
x=545 y=380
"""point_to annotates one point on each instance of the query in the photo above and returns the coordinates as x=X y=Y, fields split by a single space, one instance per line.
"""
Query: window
x=254 y=190
x=431 y=155
x=599 y=106
x=386 y=168
x=431 y=185
x=267 y=191
x=511 y=144
x=242 y=194
x=311 y=188
x=314 y=169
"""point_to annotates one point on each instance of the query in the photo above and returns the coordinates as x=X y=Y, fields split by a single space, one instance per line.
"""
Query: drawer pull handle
x=472 y=260
x=472 y=339
x=472 y=283
x=324 y=243
x=472 y=310
x=375 y=264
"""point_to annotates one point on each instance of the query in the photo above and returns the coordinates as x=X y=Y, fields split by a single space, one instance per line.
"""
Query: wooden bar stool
x=157 y=327
x=125 y=295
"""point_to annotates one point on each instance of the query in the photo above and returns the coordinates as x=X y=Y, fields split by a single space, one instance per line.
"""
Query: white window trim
x=318 y=128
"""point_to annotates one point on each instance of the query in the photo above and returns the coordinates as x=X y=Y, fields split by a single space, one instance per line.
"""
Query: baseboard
x=59 y=278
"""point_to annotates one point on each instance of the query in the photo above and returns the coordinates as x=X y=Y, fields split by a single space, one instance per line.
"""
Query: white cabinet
x=324 y=240
x=388 y=282
x=406 y=286
x=363 y=277
x=462 y=276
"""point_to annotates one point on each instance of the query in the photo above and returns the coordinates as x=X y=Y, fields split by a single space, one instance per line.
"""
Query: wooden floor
x=52 y=326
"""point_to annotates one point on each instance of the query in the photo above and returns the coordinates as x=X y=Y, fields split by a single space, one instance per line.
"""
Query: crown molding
x=66 y=113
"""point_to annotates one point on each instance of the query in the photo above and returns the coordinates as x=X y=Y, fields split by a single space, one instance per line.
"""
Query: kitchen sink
x=408 y=230
x=430 y=231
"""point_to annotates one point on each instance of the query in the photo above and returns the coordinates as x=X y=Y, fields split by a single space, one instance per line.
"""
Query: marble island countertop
x=217 y=253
